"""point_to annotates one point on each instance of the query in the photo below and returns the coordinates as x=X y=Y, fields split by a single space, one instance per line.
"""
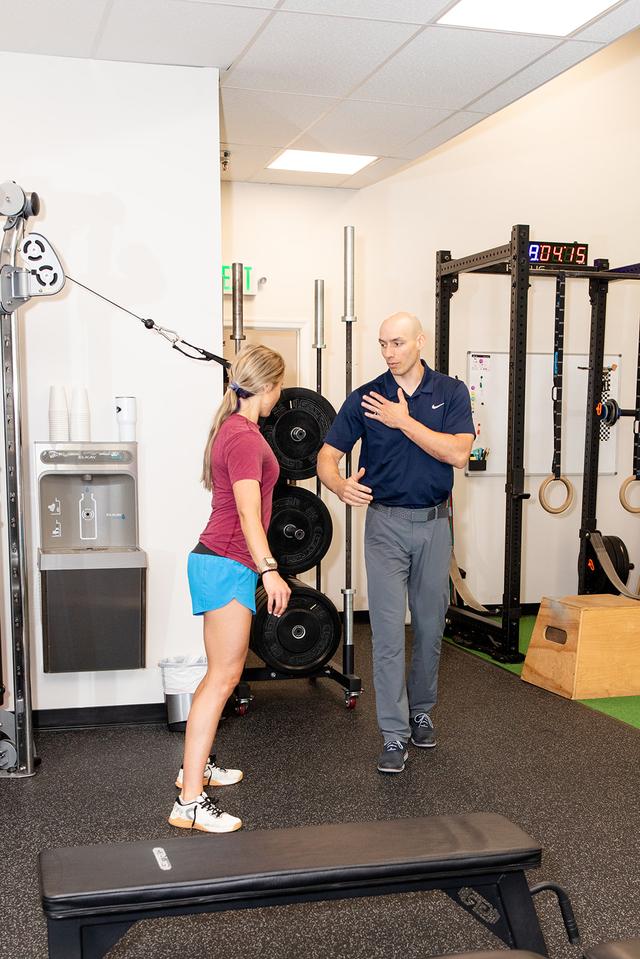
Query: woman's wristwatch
x=269 y=565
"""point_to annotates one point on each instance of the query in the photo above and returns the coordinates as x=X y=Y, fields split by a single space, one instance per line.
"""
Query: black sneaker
x=393 y=757
x=423 y=733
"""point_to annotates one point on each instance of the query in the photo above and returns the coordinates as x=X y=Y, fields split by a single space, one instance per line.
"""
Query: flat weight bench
x=91 y=895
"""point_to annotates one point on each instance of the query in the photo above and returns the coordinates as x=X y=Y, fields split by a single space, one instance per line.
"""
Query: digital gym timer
x=543 y=252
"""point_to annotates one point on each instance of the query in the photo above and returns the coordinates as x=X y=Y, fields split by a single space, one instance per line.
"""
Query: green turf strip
x=624 y=708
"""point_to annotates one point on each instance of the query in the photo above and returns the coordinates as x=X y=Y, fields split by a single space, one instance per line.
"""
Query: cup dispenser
x=92 y=570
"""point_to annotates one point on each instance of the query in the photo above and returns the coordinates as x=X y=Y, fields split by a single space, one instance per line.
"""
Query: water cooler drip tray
x=93 y=609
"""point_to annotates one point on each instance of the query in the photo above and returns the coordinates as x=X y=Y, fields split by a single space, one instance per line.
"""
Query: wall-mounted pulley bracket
x=42 y=274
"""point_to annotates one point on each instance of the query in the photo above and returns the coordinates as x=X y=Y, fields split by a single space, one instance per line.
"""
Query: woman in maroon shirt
x=241 y=471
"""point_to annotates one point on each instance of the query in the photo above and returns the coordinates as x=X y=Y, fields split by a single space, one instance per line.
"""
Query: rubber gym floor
x=566 y=774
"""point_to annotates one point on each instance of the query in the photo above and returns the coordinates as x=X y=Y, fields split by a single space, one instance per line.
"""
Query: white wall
x=125 y=159
x=564 y=160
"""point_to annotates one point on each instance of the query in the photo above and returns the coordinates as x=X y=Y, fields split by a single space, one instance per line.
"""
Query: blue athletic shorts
x=215 y=580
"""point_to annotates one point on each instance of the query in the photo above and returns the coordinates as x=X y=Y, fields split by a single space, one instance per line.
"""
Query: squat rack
x=501 y=639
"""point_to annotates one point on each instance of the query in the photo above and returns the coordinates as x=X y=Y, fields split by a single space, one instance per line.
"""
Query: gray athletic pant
x=407 y=551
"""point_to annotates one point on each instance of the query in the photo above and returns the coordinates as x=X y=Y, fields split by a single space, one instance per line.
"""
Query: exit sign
x=249 y=280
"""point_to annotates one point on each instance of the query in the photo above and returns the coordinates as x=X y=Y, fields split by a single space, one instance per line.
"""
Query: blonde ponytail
x=253 y=368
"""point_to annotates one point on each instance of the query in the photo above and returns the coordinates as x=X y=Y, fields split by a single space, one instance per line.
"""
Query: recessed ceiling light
x=554 y=17
x=309 y=161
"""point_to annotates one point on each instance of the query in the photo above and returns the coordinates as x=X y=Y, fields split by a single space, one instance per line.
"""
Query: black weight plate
x=596 y=580
x=295 y=430
x=300 y=530
x=304 y=638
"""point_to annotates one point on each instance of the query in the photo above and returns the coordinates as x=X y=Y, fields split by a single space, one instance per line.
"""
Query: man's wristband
x=272 y=569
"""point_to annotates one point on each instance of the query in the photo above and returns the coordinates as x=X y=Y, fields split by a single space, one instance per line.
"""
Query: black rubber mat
x=567 y=775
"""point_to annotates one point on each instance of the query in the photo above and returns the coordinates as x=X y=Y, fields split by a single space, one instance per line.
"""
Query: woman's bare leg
x=226 y=640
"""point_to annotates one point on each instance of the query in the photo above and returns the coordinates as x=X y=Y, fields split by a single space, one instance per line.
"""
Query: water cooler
x=92 y=570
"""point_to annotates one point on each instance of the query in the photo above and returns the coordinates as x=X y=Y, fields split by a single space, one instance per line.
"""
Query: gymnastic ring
x=623 y=495
x=543 y=490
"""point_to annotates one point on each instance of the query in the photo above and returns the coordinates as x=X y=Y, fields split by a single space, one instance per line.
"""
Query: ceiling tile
x=382 y=168
x=566 y=55
x=178 y=32
x=444 y=131
x=265 y=4
x=288 y=178
x=406 y=11
x=67 y=28
x=327 y=56
x=268 y=119
x=245 y=160
x=369 y=127
x=446 y=67
x=612 y=25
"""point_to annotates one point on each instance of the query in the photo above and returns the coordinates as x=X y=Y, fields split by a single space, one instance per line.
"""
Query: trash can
x=180 y=678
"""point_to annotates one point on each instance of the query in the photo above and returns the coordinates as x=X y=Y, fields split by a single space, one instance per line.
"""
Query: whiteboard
x=488 y=382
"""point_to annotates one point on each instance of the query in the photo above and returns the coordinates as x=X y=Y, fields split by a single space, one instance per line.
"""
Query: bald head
x=401 y=324
x=401 y=340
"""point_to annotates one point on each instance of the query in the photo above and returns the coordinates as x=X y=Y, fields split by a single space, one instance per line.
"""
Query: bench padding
x=105 y=879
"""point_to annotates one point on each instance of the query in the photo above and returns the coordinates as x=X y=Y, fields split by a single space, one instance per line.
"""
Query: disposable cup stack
x=58 y=415
x=79 y=421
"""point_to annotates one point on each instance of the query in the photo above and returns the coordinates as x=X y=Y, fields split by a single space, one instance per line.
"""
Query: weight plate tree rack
x=520 y=260
x=302 y=642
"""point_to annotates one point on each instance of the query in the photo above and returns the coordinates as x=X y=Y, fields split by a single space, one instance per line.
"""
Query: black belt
x=418 y=515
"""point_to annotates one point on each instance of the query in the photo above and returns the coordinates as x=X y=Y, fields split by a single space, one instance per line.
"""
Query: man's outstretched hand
x=353 y=492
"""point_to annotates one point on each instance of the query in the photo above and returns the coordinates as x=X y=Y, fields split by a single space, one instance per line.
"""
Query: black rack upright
x=501 y=639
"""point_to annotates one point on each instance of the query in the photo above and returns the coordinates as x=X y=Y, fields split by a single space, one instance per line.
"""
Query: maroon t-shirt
x=239 y=452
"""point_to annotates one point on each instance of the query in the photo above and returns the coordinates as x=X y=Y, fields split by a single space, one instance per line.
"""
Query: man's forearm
x=446 y=447
x=329 y=474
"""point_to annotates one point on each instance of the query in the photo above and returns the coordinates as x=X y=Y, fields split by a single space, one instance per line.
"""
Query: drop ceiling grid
x=369 y=127
x=326 y=56
x=177 y=32
x=446 y=67
x=37 y=27
x=268 y=119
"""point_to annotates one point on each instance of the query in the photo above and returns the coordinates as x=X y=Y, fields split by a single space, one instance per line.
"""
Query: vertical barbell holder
x=237 y=307
x=318 y=345
x=348 y=319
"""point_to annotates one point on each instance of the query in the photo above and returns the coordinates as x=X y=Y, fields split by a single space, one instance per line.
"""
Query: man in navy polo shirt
x=415 y=425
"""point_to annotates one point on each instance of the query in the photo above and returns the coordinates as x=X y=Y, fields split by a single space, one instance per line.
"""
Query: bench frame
x=499 y=899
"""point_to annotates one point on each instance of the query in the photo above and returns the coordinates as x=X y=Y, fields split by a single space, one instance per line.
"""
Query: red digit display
x=553 y=253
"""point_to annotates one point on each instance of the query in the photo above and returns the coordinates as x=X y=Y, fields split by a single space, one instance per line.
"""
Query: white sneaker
x=203 y=814
x=215 y=775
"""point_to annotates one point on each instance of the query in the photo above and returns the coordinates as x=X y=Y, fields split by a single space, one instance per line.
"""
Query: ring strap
x=461 y=589
x=636 y=424
x=558 y=363
x=605 y=561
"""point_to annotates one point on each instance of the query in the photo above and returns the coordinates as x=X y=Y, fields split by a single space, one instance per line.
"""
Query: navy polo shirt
x=397 y=470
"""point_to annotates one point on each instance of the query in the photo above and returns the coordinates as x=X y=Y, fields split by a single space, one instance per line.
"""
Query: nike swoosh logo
x=436 y=406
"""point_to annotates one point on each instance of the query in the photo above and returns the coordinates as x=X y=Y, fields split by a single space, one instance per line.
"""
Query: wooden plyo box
x=586 y=647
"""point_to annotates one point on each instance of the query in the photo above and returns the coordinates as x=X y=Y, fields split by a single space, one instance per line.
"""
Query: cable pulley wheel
x=300 y=530
x=596 y=580
x=304 y=638
x=295 y=430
